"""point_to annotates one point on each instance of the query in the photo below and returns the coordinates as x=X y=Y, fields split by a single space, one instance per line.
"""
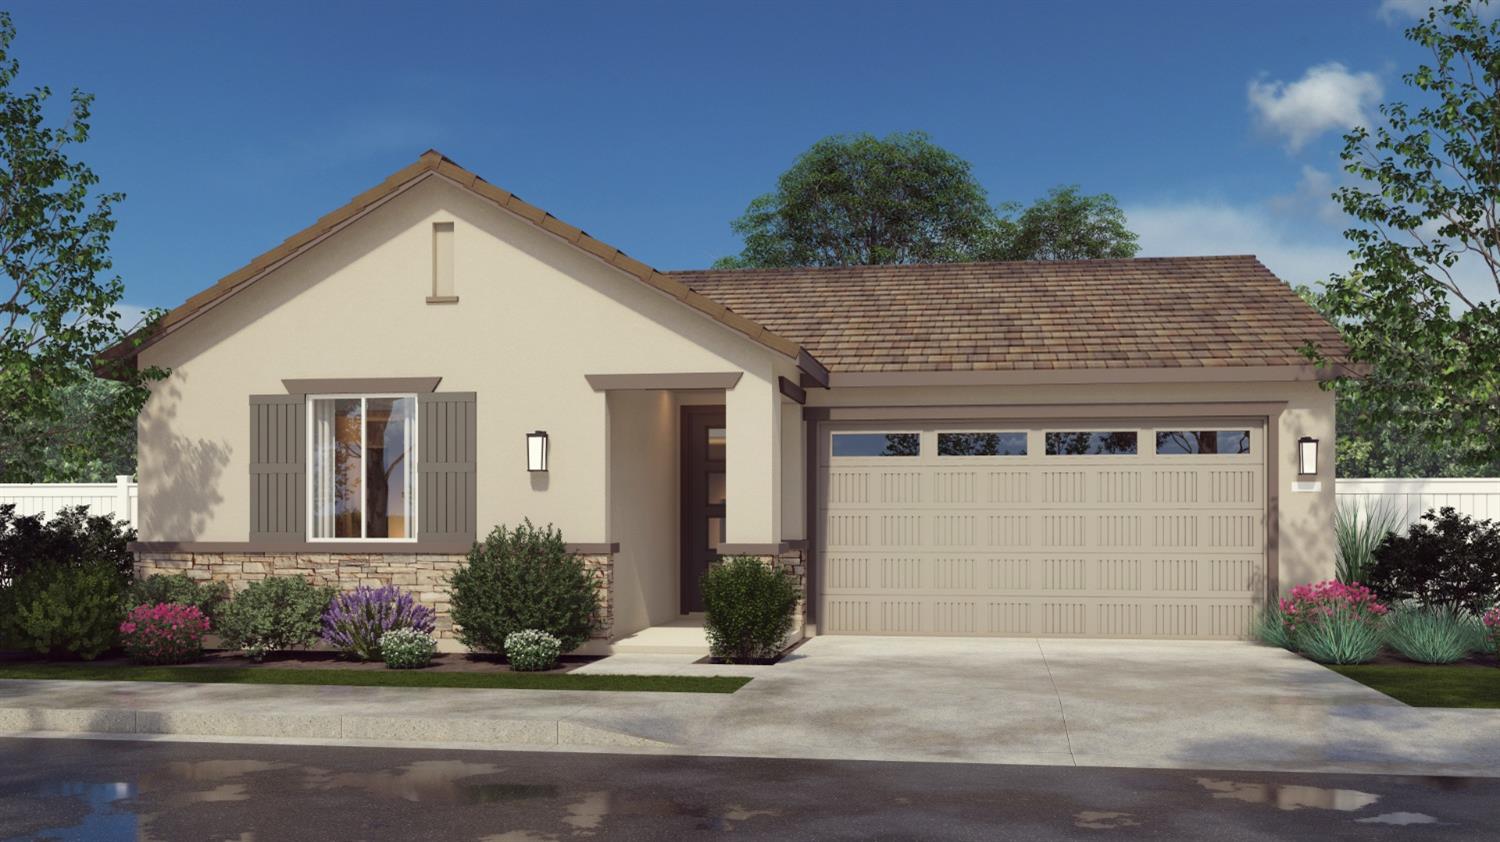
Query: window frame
x=877 y=432
x=1091 y=431
x=309 y=402
x=1250 y=437
x=970 y=431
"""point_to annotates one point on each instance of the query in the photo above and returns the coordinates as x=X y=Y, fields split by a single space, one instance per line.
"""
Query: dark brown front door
x=702 y=497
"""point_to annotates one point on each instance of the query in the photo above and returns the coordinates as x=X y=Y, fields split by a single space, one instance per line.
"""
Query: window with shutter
x=278 y=468
x=446 y=466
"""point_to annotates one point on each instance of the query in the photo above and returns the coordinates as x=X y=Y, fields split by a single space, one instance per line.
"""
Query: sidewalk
x=1055 y=702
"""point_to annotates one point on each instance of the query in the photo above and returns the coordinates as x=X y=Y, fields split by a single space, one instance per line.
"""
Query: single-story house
x=1128 y=448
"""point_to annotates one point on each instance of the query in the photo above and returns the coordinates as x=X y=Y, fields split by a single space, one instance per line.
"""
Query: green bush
x=1359 y=528
x=1433 y=634
x=1271 y=628
x=530 y=650
x=523 y=579
x=58 y=610
x=1340 y=636
x=71 y=538
x=748 y=609
x=1446 y=559
x=178 y=589
x=274 y=614
x=406 y=649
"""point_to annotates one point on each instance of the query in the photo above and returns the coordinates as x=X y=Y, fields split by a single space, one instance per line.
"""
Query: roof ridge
x=892 y=267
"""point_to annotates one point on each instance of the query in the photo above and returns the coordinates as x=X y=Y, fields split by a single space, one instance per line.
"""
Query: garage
x=1078 y=528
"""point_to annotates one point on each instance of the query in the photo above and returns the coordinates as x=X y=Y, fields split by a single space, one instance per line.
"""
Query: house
x=1132 y=448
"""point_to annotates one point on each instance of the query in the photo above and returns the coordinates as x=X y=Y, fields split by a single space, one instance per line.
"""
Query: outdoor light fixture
x=1307 y=456
x=536 y=451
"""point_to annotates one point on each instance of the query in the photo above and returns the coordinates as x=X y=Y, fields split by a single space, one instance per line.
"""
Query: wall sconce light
x=1307 y=456
x=536 y=451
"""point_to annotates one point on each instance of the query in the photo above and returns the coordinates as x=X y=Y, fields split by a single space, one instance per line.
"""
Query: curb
x=398 y=729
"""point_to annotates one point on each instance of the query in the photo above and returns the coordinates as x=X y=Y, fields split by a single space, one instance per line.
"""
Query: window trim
x=416 y=440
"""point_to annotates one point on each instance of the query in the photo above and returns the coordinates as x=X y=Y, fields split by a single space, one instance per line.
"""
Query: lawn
x=378 y=678
x=1454 y=686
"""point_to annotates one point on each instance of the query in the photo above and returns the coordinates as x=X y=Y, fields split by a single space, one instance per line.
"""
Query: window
x=362 y=471
x=876 y=444
x=1089 y=443
x=1203 y=441
x=981 y=444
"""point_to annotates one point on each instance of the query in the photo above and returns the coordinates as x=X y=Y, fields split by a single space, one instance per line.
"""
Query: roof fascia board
x=1027 y=377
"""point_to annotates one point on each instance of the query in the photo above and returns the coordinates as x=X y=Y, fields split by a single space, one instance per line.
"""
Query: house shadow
x=182 y=490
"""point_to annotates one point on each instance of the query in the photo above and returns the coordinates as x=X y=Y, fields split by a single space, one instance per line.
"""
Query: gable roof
x=434 y=164
x=1138 y=313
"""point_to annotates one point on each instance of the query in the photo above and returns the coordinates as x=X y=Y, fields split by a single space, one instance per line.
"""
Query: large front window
x=363 y=482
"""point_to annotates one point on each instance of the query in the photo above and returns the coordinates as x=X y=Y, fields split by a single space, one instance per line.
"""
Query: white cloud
x=1391 y=10
x=1327 y=97
x=1314 y=194
x=1210 y=227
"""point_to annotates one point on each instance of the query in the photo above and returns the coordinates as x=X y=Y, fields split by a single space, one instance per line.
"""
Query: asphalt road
x=105 y=790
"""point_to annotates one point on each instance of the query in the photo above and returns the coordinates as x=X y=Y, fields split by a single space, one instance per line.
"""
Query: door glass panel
x=715 y=533
x=338 y=454
x=981 y=444
x=715 y=489
x=716 y=436
x=388 y=483
x=876 y=444
x=1203 y=441
x=1089 y=443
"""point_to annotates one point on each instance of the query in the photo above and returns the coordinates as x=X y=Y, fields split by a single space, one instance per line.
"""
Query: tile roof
x=1145 y=312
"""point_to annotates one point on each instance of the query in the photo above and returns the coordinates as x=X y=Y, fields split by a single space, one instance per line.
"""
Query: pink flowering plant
x=1307 y=604
x=164 y=633
x=1491 y=621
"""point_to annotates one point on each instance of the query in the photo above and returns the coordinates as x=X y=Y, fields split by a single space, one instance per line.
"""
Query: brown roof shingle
x=1145 y=312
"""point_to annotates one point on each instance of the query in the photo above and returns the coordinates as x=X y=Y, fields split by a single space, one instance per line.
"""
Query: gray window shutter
x=278 y=468
x=445 y=467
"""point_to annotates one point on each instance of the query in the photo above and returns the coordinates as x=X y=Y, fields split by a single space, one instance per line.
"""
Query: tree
x=859 y=200
x=1428 y=217
x=56 y=311
x=1063 y=225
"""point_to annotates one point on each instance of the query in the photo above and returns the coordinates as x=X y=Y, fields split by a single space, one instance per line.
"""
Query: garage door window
x=981 y=444
x=876 y=444
x=1091 y=443
x=1231 y=442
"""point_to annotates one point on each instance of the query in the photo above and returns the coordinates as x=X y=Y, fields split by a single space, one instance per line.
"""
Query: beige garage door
x=1069 y=528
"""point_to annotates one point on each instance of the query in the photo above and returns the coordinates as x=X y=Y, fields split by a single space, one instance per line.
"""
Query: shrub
x=1271 y=628
x=1309 y=603
x=1446 y=559
x=164 y=633
x=1491 y=623
x=177 y=588
x=70 y=539
x=1358 y=530
x=72 y=609
x=355 y=620
x=407 y=648
x=273 y=614
x=530 y=650
x=1433 y=634
x=523 y=579
x=1341 y=635
x=748 y=609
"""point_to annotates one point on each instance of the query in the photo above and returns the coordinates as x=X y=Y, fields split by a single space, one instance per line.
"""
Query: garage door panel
x=1133 y=545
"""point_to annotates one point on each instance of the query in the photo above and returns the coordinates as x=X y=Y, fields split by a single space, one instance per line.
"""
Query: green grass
x=1425 y=686
x=377 y=678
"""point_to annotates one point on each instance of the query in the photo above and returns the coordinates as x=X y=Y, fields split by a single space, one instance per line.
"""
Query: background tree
x=56 y=311
x=1428 y=210
x=859 y=200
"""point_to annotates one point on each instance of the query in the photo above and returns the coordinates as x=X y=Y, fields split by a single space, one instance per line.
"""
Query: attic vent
x=442 y=265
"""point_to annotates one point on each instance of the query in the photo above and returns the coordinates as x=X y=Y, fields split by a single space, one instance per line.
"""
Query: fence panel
x=120 y=498
x=1478 y=498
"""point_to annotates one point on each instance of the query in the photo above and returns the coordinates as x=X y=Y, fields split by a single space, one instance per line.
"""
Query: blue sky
x=651 y=125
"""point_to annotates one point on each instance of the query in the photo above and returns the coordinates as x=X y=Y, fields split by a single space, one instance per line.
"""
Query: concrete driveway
x=1073 y=702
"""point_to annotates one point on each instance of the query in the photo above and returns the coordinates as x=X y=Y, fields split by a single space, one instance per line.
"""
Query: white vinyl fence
x=1477 y=498
x=120 y=498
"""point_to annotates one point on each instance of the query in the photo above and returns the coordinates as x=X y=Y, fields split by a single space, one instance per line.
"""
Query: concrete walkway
x=1060 y=702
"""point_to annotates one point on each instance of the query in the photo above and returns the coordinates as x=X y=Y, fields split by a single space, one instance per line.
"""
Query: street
x=107 y=789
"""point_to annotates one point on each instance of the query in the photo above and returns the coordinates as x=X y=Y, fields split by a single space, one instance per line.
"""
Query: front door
x=702 y=498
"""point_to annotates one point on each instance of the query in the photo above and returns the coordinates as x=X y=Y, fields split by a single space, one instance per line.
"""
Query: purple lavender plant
x=356 y=619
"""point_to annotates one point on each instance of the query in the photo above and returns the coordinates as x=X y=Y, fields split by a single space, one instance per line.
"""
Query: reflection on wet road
x=106 y=790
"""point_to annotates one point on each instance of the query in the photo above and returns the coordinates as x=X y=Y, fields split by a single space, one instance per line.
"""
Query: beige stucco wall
x=643 y=508
x=535 y=315
x=1305 y=518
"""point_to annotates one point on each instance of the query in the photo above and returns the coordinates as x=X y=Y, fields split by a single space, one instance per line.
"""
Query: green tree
x=1428 y=222
x=1065 y=224
x=857 y=200
x=57 y=311
x=90 y=437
